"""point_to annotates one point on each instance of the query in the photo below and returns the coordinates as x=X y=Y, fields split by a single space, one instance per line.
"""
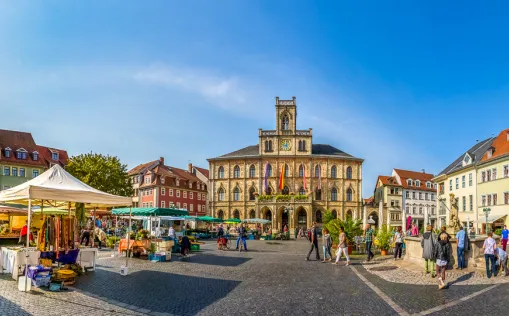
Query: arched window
x=317 y=171
x=303 y=145
x=334 y=194
x=252 y=171
x=236 y=172
x=269 y=190
x=252 y=214
x=220 y=194
x=236 y=194
x=266 y=145
x=349 y=194
x=300 y=145
x=333 y=172
x=268 y=216
x=220 y=214
x=287 y=170
x=349 y=173
x=318 y=194
x=302 y=218
x=318 y=216
x=236 y=214
x=334 y=214
x=286 y=191
x=285 y=123
x=269 y=170
x=301 y=171
x=220 y=172
x=270 y=145
x=349 y=214
x=252 y=192
x=302 y=191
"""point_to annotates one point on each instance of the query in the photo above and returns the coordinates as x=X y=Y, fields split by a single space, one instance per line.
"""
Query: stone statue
x=454 y=222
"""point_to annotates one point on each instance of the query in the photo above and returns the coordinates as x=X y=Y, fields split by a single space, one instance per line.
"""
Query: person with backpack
x=428 y=244
x=313 y=238
x=443 y=253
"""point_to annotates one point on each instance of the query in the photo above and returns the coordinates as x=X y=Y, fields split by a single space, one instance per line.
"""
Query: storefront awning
x=491 y=219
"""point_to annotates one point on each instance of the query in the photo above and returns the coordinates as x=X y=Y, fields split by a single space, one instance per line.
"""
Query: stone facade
x=317 y=177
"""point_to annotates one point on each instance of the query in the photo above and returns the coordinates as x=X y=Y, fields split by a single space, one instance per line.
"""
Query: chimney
x=423 y=171
x=190 y=167
x=161 y=160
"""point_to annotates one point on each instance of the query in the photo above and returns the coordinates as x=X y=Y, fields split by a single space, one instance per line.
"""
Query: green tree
x=105 y=173
x=351 y=228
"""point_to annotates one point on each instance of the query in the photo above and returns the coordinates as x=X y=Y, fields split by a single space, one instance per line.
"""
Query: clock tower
x=286 y=139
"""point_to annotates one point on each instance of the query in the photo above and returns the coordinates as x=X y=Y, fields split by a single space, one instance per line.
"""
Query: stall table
x=11 y=260
x=87 y=258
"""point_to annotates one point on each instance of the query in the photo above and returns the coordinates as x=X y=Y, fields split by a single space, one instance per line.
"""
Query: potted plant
x=383 y=239
x=352 y=228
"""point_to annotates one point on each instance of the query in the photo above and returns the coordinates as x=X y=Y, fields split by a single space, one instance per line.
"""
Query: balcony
x=283 y=199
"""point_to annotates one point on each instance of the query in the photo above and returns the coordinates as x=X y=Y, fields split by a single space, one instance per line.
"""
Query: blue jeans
x=461 y=257
x=490 y=259
x=243 y=240
x=368 y=250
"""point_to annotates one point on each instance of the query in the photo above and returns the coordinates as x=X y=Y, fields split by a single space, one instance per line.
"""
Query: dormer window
x=147 y=180
x=428 y=185
x=409 y=182
x=490 y=152
x=35 y=156
x=466 y=160
x=54 y=156
x=177 y=182
x=162 y=180
x=417 y=183
x=7 y=152
x=190 y=185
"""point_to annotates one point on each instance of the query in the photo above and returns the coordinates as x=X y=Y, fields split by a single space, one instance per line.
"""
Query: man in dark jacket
x=428 y=244
x=314 y=242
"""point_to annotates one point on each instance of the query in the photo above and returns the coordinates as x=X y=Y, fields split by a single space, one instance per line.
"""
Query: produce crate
x=156 y=257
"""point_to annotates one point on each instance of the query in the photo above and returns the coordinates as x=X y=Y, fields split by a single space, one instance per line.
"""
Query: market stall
x=57 y=188
x=257 y=228
x=12 y=220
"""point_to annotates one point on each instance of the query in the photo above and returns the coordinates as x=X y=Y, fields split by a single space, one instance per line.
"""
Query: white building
x=419 y=196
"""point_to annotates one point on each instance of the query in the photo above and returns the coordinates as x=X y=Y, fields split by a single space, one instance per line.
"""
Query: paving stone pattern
x=273 y=278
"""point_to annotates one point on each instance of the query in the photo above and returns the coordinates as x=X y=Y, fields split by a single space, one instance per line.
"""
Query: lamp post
x=486 y=211
x=289 y=210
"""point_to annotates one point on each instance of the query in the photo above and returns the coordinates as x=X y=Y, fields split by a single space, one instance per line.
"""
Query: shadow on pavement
x=218 y=260
x=158 y=291
x=8 y=308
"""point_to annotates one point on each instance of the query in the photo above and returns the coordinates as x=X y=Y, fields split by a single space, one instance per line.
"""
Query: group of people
x=437 y=253
x=342 y=247
x=222 y=237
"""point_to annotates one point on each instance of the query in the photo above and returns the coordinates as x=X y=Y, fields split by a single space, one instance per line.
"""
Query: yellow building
x=493 y=180
x=285 y=177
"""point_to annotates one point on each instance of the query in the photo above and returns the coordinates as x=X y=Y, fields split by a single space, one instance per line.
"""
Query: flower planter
x=383 y=252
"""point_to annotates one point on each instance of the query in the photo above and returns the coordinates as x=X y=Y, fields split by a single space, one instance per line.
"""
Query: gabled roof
x=500 y=146
x=140 y=168
x=476 y=152
x=21 y=140
x=387 y=180
x=203 y=171
x=422 y=177
x=316 y=149
x=158 y=167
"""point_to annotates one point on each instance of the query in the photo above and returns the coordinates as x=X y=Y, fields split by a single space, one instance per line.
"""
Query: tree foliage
x=352 y=228
x=105 y=173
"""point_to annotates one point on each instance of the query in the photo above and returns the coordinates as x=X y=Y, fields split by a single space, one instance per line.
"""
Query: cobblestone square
x=273 y=278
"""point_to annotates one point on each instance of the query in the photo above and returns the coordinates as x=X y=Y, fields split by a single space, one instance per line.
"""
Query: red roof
x=369 y=200
x=386 y=180
x=414 y=175
x=205 y=172
x=500 y=146
x=21 y=140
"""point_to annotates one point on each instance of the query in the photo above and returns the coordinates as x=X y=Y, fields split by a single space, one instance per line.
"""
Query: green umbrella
x=232 y=221
x=209 y=219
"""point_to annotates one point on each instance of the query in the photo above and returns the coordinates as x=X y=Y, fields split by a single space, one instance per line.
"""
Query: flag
x=266 y=180
x=304 y=174
x=282 y=178
x=319 y=177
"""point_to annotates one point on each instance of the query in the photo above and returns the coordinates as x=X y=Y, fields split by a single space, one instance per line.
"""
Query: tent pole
x=70 y=227
x=28 y=242
x=128 y=237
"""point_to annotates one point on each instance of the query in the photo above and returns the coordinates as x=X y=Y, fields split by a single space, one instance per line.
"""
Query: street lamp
x=289 y=210
x=486 y=211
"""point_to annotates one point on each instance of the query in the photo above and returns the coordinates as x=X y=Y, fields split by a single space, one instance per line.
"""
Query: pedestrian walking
x=368 y=234
x=429 y=244
x=342 y=247
x=313 y=238
x=443 y=255
x=505 y=236
x=398 y=240
x=489 y=255
x=460 y=240
x=502 y=260
x=326 y=245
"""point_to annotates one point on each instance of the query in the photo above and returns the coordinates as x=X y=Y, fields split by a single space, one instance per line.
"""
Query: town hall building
x=285 y=178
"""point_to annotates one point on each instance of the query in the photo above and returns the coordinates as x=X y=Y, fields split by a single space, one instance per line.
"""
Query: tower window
x=285 y=123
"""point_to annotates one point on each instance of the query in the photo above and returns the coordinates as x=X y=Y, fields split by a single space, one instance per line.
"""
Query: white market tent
x=60 y=187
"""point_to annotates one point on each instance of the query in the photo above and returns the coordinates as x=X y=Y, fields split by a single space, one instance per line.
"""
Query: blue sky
x=402 y=84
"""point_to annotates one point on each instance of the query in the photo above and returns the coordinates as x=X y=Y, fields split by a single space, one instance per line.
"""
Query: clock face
x=286 y=145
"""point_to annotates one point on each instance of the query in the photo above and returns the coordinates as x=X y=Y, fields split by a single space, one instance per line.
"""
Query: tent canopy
x=232 y=220
x=56 y=184
x=209 y=219
x=256 y=221
x=13 y=210
x=149 y=211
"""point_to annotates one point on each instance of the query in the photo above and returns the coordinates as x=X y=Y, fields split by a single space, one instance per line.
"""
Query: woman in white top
x=342 y=247
x=398 y=240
